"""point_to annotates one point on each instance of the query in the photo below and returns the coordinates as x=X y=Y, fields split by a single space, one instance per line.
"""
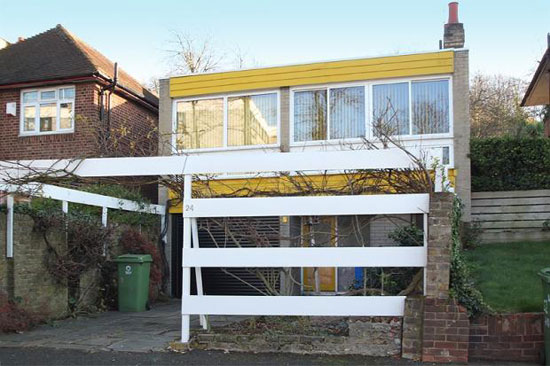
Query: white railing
x=196 y=257
x=272 y=206
x=66 y=195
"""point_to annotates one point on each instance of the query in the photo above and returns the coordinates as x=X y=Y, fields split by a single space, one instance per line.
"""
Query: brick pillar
x=439 y=246
x=445 y=323
x=412 y=328
x=446 y=331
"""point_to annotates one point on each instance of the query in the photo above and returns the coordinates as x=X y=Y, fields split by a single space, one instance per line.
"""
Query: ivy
x=462 y=288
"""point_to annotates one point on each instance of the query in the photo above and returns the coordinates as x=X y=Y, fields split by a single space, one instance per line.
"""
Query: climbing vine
x=462 y=287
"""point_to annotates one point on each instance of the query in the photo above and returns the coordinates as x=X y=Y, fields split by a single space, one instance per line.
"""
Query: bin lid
x=545 y=274
x=134 y=258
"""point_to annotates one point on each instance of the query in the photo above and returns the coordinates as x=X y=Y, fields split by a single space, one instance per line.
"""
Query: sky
x=505 y=37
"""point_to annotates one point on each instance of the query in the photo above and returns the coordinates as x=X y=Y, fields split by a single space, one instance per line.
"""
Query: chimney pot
x=453 y=34
x=20 y=39
x=453 y=12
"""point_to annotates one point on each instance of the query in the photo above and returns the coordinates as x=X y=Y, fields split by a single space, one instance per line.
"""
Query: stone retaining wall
x=369 y=337
x=508 y=337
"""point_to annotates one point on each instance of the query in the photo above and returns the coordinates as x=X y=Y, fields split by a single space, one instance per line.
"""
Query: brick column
x=439 y=246
x=445 y=323
x=412 y=328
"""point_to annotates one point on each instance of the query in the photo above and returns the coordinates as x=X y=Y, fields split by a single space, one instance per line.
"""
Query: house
x=538 y=92
x=318 y=107
x=61 y=98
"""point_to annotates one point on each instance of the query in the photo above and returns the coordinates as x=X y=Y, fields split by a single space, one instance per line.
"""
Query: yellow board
x=283 y=185
x=434 y=63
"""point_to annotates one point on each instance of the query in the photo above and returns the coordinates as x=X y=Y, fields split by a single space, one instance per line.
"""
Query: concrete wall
x=461 y=129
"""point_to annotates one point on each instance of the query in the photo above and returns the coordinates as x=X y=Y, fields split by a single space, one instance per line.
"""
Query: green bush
x=508 y=164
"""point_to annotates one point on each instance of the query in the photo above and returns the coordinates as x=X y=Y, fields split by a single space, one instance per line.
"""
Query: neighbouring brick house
x=61 y=98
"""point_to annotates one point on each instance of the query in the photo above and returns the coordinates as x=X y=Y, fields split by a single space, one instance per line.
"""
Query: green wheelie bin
x=133 y=281
x=545 y=276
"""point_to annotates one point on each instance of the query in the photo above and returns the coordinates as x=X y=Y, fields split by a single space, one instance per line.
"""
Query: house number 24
x=189 y=208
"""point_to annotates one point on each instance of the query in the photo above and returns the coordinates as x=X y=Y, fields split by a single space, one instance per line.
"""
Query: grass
x=506 y=274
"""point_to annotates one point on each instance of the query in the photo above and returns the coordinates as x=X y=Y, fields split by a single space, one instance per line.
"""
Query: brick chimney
x=453 y=36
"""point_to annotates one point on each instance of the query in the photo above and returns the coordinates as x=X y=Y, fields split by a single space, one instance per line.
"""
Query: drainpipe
x=109 y=89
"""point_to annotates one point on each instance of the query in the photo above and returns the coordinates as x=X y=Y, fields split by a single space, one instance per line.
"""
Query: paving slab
x=149 y=331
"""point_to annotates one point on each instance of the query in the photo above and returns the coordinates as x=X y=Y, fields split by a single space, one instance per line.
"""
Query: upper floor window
x=412 y=108
x=46 y=111
x=404 y=108
x=329 y=113
x=245 y=120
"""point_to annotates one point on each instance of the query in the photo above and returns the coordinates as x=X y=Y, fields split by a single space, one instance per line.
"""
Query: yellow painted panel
x=263 y=185
x=316 y=73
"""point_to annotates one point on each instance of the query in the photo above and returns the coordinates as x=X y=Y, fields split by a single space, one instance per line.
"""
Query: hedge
x=508 y=164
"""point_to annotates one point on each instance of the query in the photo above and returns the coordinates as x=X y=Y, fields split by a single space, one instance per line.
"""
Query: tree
x=495 y=108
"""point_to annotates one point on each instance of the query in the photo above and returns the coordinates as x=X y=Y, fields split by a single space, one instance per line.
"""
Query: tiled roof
x=56 y=54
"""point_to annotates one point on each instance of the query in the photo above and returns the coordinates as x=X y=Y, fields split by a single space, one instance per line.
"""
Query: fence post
x=9 y=227
x=186 y=271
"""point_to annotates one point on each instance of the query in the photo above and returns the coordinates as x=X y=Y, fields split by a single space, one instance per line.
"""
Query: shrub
x=13 y=318
x=507 y=164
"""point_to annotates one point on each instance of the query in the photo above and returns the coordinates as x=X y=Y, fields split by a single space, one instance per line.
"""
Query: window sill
x=30 y=134
x=355 y=141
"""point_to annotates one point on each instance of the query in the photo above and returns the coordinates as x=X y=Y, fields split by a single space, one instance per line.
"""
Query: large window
x=411 y=108
x=430 y=107
x=247 y=120
x=343 y=116
x=46 y=111
x=252 y=120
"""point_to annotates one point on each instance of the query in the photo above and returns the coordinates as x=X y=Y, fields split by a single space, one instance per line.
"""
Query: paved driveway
x=147 y=331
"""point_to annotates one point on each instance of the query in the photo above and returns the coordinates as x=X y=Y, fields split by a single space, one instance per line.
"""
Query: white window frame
x=225 y=98
x=36 y=104
x=369 y=105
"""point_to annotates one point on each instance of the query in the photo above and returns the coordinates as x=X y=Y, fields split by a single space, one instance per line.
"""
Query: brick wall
x=412 y=328
x=80 y=143
x=446 y=330
x=508 y=337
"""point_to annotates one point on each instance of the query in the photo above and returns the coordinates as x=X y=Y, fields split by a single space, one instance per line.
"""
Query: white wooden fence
x=196 y=257
x=274 y=206
x=511 y=216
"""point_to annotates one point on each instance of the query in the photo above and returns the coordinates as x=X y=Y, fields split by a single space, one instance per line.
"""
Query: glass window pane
x=50 y=94
x=310 y=115
x=199 y=124
x=347 y=112
x=30 y=97
x=252 y=120
x=66 y=93
x=391 y=108
x=430 y=107
x=66 y=115
x=48 y=117
x=29 y=115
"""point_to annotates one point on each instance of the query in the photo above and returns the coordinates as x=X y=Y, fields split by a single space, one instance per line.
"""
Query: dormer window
x=47 y=111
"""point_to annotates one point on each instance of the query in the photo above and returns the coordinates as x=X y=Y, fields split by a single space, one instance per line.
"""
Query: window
x=47 y=111
x=391 y=108
x=412 y=108
x=310 y=115
x=200 y=124
x=346 y=117
x=246 y=120
x=252 y=120
x=430 y=107
x=347 y=112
